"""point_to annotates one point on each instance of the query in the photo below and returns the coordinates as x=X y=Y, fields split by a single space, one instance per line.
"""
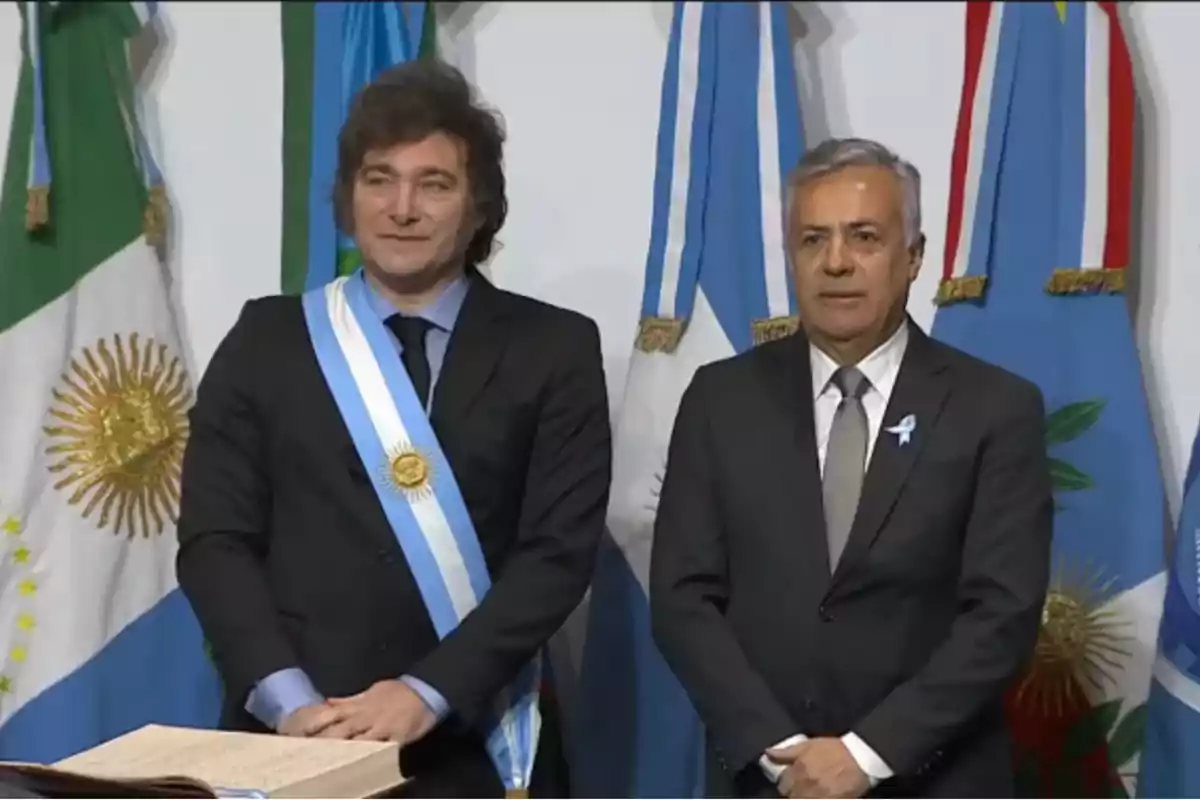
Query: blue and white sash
x=418 y=493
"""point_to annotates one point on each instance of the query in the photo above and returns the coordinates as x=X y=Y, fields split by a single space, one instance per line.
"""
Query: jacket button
x=809 y=704
x=825 y=615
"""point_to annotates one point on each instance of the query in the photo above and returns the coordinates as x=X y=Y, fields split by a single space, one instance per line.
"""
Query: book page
x=224 y=759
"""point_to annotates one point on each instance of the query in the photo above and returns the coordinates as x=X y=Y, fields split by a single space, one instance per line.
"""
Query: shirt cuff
x=874 y=767
x=773 y=770
x=432 y=698
x=867 y=759
x=280 y=694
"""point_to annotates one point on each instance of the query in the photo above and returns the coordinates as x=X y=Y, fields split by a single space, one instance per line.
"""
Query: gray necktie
x=845 y=460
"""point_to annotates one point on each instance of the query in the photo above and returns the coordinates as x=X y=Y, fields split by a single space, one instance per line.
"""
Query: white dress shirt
x=880 y=368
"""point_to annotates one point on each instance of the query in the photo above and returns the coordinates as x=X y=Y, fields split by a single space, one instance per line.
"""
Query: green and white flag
x=95 y=637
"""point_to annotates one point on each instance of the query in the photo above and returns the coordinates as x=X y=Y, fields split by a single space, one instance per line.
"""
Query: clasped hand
x=819 y=768
x=388 y=711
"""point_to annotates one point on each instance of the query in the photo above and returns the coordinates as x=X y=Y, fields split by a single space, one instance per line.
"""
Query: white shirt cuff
x=867 y=759
x=769 y=767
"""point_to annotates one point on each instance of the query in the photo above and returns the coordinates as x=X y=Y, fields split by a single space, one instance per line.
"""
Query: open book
x=161 y=761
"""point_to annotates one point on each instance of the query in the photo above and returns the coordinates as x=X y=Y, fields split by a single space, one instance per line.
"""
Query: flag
x=1036 y=255
x=716 y=283
x=330 y=51
x=95 y=637
x=1173 y=711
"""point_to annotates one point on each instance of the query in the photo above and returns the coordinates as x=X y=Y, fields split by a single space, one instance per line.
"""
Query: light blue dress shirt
x=281 y=693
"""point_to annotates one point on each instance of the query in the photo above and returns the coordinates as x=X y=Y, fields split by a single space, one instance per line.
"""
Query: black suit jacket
x=934 y=607
x=289 y=561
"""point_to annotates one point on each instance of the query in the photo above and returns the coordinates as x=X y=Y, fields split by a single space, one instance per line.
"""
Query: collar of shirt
x=442 y=313
x=880 y=367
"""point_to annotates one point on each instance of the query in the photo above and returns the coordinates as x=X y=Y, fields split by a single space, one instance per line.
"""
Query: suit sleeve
x=559 y=530
x=222 y=527
x=689 y=588
x=1002 y=587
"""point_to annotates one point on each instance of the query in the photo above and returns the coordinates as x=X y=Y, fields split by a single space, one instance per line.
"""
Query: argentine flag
x=716 y=284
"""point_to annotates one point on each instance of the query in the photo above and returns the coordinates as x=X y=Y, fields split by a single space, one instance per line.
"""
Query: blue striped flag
x=1036 y=253
x=330 y=51
x=716 y=283
x=1169 y=767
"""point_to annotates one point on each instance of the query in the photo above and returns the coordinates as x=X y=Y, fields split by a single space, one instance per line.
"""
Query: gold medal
x=410 y=471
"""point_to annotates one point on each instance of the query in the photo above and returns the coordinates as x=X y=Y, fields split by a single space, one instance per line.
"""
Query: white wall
x=579 y=87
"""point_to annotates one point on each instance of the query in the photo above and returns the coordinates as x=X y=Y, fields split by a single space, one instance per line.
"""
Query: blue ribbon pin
x=904 y=429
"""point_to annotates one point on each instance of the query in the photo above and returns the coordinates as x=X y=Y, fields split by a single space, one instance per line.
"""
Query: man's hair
x=409 y=102
x=833 y=155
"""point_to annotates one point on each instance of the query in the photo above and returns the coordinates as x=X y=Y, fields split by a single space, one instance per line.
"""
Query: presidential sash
x=418 y=493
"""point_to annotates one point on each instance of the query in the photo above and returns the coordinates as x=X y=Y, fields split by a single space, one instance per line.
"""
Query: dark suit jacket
x=934 y=607
x=289 y=561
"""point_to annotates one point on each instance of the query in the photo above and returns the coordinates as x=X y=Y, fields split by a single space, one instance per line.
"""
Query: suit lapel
x=374 y=522
x=801 y=470
x=920 y=390
x=478 y=340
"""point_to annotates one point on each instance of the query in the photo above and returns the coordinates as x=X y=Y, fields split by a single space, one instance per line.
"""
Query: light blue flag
x=716 y=283
x=330 y=51
x=1169 y=766
x=1037 y=250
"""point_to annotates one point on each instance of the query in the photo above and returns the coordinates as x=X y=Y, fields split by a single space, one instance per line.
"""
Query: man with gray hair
x=853 y=536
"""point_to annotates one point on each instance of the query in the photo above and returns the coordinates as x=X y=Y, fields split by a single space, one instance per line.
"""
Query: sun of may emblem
x=1080 y=647
x=409 y=471
x=118 y=432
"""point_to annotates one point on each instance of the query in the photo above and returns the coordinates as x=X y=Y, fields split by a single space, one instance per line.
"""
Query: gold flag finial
x=37 y=207
x=154 y=217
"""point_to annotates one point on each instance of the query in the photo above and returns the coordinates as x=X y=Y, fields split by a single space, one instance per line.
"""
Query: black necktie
x=411 y=333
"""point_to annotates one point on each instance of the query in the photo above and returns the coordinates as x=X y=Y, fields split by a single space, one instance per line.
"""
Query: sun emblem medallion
x=410 y=471
x=1081 y=646
x=119 y=430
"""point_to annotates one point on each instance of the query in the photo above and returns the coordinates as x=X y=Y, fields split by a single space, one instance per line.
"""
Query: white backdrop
x=579 y=86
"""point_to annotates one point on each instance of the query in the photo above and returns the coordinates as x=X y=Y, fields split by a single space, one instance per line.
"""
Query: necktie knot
x=851 y=383
x=845 y=461
x=409 y=330
x=411 y=333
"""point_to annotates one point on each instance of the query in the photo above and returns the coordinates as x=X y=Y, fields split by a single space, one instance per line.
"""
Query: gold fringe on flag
x=659 y=334
x=772 y=328
x=154 y=216
x=37 y=207
x=965 y=287
x=1086 y=281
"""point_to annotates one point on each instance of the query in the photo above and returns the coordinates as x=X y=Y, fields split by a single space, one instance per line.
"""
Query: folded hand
x=388 y=711
x=309 y=720
x=819 y=768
